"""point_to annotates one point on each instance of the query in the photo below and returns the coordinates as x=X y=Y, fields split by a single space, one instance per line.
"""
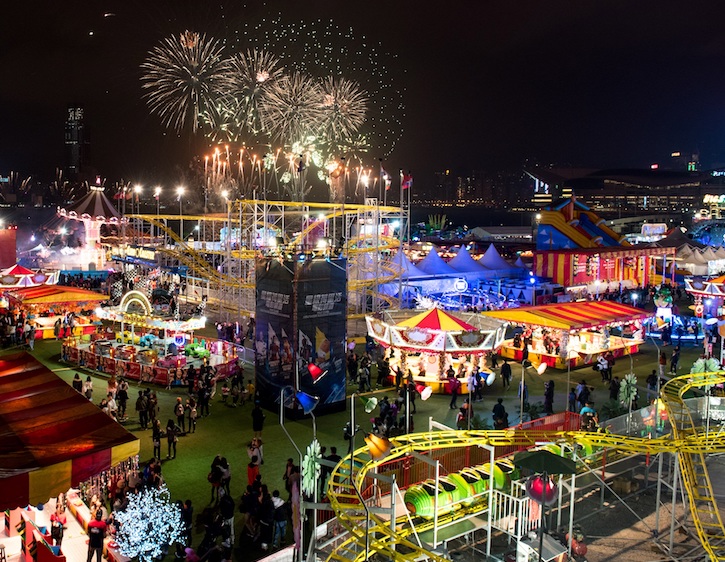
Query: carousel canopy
x=436 y=319
x=436 y=331
x=94 y=206
x=51 y=437
x=54 y=294
x=571 y=315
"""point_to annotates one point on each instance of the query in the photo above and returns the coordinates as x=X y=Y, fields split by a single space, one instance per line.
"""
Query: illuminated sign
x=654 y=229
x=714 y=199
x=134 y=252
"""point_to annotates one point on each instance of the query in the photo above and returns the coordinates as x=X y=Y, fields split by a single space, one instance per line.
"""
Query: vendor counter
x=619 y=347
x=83 y=515
x=45 y=326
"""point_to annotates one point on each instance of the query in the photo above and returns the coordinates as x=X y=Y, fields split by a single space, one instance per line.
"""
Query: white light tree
x=149 y=525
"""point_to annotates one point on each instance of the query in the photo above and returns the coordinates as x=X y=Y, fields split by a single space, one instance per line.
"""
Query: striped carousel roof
x=94 y=206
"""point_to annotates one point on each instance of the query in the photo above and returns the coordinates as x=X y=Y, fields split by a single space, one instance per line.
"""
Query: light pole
x=137 y=192
x=157 y=196
x=180 y=192
x=524 y=365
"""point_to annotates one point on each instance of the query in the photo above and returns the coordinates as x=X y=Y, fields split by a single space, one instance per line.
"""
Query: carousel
x=569 y=335
x=142 y=341
x=426 y=345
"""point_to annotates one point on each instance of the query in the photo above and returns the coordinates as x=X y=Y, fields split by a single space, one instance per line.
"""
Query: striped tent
x=53 y=294
x=51 y=437
x=571 y=315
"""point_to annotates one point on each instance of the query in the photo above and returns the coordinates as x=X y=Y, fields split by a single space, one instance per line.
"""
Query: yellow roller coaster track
x=369 y=532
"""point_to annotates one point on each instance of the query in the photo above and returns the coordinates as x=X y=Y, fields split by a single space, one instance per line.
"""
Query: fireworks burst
x=184 y=76
x=292 y=108
x=323 y=49
x=343 y=113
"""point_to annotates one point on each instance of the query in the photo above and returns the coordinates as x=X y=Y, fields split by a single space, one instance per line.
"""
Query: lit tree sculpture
x=149 y=525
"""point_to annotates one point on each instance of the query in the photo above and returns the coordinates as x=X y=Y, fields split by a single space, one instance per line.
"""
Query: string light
x=149 y=525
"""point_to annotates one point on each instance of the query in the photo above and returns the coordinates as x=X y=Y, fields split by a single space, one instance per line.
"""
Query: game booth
x=149 y=344
x=55 y=445
x=428 y=343
x=569 y=335
x=45 y=305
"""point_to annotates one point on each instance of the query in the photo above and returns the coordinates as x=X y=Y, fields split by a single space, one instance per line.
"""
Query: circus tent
x=51 y=437
x=492 y=260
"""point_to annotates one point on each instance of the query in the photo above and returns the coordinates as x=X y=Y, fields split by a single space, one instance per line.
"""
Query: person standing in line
x=96 y=534
x=257 y=420
x=506 y=374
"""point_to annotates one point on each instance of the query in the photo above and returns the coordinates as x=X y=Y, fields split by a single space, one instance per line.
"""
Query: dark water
x=473 y=216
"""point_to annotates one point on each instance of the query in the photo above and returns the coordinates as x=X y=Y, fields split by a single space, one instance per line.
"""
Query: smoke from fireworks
x=184 y=76
x=344 y=107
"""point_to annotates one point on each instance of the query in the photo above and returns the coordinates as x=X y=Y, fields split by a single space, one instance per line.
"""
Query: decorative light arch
x=137 y=297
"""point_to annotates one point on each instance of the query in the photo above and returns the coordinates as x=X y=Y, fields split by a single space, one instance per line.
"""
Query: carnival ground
x=227 y=430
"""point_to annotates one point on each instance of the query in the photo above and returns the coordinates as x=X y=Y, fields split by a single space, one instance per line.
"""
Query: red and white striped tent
x=51 y=437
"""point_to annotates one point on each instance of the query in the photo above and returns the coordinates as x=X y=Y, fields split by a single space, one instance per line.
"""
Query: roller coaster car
x=125 y=337
x=196 y=350
x=470 y=480
x=420 y=498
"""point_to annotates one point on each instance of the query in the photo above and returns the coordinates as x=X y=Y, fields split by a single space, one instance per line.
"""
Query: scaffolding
x=216 y=254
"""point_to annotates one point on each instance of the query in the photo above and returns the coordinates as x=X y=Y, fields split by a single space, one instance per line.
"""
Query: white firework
x=344 y=106
x=292 y=108
x=184 y=76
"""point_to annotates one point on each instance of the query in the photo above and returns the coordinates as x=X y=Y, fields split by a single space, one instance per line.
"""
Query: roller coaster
x=371 y=531
x=219 y=259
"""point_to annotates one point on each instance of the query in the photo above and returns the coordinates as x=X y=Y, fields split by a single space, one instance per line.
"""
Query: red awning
x=51 y=437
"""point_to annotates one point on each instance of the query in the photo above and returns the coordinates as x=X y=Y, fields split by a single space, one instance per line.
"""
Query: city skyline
x=485 y=87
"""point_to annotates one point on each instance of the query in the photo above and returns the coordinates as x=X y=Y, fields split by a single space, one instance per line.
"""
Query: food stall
x=576 y=333
x=426 y=344
x=47 y=304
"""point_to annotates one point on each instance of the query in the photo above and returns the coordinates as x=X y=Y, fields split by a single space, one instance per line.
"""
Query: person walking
x=77 y=384
x=662 y=363
x=180 y=412
x=88 y=388
x=58 y=522
x=506 y=374
x=172 y=436
x=674 y=359
x=257 y=420
x=142 y=410
x=454 y=386
x=96 y=534
x=156 y=438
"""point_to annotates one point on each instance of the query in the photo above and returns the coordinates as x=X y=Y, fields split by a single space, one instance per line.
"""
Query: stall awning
x=571 y=315
x=51 y=437
x=54 y=294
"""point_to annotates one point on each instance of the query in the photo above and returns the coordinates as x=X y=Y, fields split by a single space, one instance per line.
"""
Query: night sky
x=487 y=85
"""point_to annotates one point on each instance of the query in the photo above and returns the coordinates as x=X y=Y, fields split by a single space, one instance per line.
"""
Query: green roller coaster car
x=196 y=350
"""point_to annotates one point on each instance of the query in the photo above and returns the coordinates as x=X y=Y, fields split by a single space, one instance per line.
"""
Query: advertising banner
x=301 y=321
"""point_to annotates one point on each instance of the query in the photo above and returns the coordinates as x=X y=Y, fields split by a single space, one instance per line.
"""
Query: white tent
x=492 y=260
x=433 y=264
x=464 y=263
x=709 y=254
x=520 y=263
x=408 y=269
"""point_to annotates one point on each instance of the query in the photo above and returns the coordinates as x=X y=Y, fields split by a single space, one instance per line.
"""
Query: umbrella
x=545 y=462
x=542 y=460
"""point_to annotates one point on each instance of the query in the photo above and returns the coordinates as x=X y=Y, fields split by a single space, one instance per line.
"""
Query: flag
x=388 y=183
x=407 y=181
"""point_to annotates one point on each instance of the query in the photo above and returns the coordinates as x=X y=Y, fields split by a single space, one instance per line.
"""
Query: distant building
x=77 y=143
x=627 y=191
